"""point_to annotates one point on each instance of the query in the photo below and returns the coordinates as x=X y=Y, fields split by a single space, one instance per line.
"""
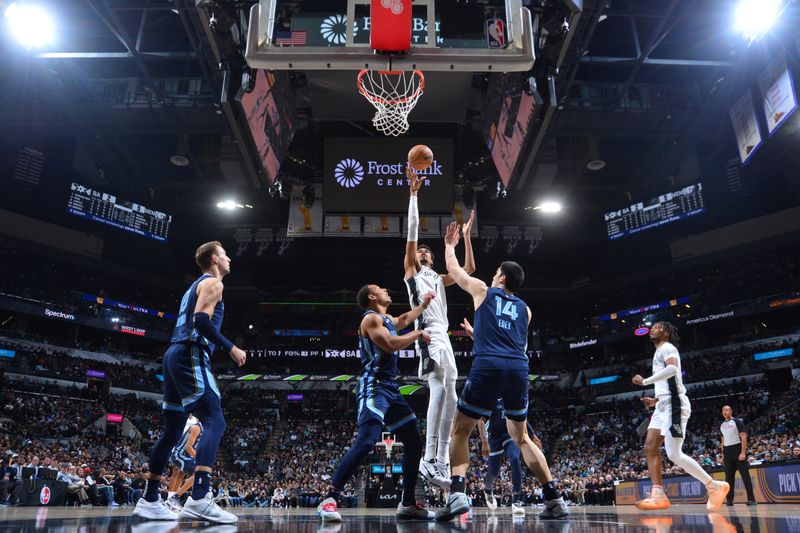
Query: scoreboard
x=656 y=212
x=106 y=208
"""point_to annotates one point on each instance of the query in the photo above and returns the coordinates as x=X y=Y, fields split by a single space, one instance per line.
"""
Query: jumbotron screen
x=663 y=209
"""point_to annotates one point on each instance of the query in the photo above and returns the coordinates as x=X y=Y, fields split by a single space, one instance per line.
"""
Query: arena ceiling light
x=548 y=207
x=755 y=17
x=231 y=205
x=30 y=24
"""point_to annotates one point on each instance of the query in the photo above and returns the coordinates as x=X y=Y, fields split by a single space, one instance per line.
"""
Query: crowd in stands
x=277 y=453
x=721 y=282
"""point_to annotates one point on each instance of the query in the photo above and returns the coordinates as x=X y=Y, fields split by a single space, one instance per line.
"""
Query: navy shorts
x=491 y=378
x=500 y=439
x=187 y=378
x=382 y=401
x=183 y=462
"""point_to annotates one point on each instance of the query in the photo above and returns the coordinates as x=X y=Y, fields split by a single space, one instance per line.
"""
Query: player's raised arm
x=469 y=257
x=410 y=260
x=408 y=318
x=372 y=327
x=475 y=287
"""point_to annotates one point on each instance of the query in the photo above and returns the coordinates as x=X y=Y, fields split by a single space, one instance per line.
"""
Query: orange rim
x=377 y=99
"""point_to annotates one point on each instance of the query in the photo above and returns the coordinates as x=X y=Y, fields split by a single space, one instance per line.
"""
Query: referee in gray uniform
x=734 y=453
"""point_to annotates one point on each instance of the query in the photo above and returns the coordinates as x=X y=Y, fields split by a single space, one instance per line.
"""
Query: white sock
x=171 y=494
x=448 y=413
x=430 y=447
x=443 y=451
x=434 y=415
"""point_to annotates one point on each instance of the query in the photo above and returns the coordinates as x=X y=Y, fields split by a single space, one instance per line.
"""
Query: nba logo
x=495 y=36
x=44 y=495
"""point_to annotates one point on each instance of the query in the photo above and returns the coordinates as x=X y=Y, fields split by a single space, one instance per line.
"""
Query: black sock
x=151 y=492
x=408 y=498
x=516 y=497
x=332 y=493
x=457 y=484
x=550 y=491
x=202 y=481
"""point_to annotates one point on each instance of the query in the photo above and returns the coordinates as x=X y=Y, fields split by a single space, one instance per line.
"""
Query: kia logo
x=348 y=173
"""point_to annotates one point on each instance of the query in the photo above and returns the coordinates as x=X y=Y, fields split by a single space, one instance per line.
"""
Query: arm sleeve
x=662 y=375
x=413 y=219
x=202 y=322
x=740 y=426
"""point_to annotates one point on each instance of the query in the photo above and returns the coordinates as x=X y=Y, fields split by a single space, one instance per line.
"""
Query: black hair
x=362 y=297
x=514 y=274
x=672 y=332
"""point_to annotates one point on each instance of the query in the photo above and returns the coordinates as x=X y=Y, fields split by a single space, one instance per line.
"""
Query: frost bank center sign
x=369 y=176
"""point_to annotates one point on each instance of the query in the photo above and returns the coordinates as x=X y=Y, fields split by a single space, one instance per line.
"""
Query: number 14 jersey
x=501 y=326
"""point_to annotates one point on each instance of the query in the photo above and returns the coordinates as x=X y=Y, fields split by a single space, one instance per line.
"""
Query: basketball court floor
x=739 y=518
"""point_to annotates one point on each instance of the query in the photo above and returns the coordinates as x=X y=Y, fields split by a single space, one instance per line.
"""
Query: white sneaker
x=174 y=503
x=157 y=510
x=442 y=475
x=427 y=470
x=328 y=510
x=457 y=504
x=555 y=509
x=207 y=509
x=491 y=502
x=517 y=509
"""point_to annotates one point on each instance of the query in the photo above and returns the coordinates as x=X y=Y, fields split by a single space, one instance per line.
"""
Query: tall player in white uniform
x=668 y=423
x=437 y=362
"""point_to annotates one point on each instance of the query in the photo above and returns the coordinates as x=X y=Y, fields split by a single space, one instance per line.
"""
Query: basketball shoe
x=717 y=491
x=328 y=510
x=656 y=501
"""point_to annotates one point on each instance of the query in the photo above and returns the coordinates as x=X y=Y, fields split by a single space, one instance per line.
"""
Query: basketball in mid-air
x=420 y=157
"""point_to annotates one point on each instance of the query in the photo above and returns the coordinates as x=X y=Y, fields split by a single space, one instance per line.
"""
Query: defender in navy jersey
x=182 y=460
x=380 y=402
x=190 y=386
x=499 y=370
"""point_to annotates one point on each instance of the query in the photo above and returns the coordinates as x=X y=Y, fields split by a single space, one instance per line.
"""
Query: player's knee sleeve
x=214 y=425
x=173 y=428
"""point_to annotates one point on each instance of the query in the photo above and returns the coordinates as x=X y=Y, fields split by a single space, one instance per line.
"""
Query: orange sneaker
x=716 y=495
x=656 y=523
x=720 y=524
x=654 y=502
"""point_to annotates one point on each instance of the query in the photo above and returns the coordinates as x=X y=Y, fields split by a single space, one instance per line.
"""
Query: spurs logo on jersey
x=434 y=318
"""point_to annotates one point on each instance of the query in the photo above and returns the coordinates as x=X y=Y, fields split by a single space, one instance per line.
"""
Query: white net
x=393 y=93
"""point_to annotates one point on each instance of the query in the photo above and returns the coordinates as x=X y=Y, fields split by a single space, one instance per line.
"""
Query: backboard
x=285 y=37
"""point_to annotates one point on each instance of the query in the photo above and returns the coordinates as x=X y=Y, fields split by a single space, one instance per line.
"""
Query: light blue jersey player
x=189 y=386
x=499 y=371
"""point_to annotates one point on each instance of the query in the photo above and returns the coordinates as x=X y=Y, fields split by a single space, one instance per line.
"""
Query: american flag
x=293 y=38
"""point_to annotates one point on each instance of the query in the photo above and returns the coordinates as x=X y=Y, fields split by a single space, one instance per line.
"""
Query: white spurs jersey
x=674 y=385
x=434 y=318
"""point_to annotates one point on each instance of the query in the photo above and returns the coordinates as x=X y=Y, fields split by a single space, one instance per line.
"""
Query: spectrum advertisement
x=369 y=176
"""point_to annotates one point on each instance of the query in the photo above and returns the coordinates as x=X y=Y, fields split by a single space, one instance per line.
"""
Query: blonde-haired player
x=437 y=362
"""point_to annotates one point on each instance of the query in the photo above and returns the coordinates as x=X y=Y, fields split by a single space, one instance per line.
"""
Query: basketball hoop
x=388 y=442
x=393 y=93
